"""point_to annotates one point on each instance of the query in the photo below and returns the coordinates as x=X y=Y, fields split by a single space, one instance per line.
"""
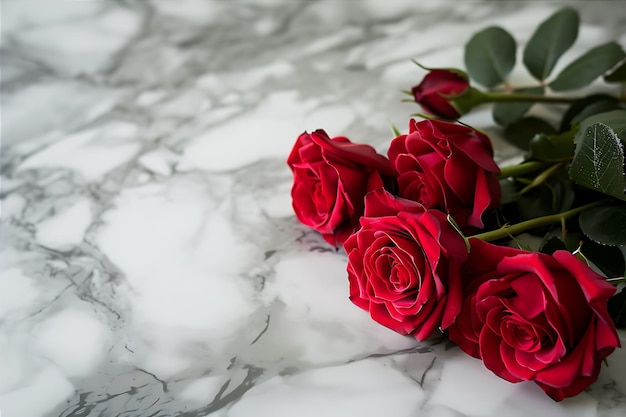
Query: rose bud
x=331 y=178
x=431 y=92
x=404 y=265
x=449 y=167
x=535 y=317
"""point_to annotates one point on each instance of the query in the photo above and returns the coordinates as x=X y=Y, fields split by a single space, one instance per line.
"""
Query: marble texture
x=150 y=262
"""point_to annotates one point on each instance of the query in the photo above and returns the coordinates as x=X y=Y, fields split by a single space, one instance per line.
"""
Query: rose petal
x=380 y=203
x=530 y=300
x=510 y=361
x=489 y=343
x=362 y=154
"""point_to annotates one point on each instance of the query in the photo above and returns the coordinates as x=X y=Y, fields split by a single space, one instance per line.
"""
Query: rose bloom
x=331 y=178
x=436 y=83
x=404 y=265
x=535 y=317
x=449 y=167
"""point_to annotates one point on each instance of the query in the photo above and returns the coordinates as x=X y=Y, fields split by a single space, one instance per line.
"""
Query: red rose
x=449 y=167
x=436 y=83
x=404 y=265
x=331 y=178
x=535 y=317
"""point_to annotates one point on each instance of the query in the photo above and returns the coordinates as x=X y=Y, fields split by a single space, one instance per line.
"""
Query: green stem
x=509 y=230
x=517 y=97
x=541 y=178
x=521 y=169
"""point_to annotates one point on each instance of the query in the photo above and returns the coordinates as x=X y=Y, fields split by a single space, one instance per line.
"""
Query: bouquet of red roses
x=431 y=230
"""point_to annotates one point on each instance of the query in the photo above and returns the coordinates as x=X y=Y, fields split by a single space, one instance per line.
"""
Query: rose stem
x=515 y=97
x=521 y=169
x=527 y=225
x=541 y=178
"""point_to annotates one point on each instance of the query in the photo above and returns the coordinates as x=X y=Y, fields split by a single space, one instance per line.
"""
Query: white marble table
x=150 y=262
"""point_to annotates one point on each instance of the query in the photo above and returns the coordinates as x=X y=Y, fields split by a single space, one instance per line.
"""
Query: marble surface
x=150 y=262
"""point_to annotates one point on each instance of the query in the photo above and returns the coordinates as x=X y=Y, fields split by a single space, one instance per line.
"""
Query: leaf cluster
x=574 y=162
x=490 y=57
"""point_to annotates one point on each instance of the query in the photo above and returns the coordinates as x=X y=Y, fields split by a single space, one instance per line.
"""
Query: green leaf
x=554 y=196
x=551 y=39
x=520 y=133
x=552 y=245
x=588 y=67
x=507 y=113
x=552 y=148
x=509 y=191
x=615 y=119
x=609 y=259
x=617 y=75
x=599 y=160
x=599 y=107
x=605 y=225
x=617 y=309
x=579 y=107
x=490 y=56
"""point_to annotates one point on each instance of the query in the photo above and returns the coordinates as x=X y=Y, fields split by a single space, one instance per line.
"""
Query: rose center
x=400 y=278
x=422 y=193
x=396 y=269
x=320 y=198
x=412 y=186
x=322 y=176
x=519 y=334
